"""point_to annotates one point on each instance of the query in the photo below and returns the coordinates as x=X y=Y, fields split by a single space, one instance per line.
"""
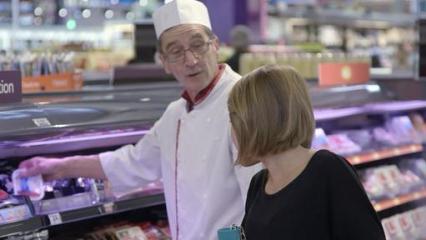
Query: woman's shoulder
x=328 y=160
x=259 y=176
x=258 y=179
x=324 y=154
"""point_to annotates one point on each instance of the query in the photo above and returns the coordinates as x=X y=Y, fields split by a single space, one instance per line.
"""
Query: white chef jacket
x=193 y=153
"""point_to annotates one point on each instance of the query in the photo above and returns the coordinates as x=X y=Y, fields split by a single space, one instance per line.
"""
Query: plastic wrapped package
x=411 y=180
x=14 y=214
x=33 y=187
x=414 y=173
x=384 y=137
x=407 y=226
x=419 y=124
x=319 y=140
x=418 y=217
x=341 y=144
x=374 y=191
x=362 y=138
x=392 y=228
x=420 y=166
x=396 y=180
x=130 y=233
x=6 y=183
x=402 y=129
x=155 y=231
x=385 y=182
x=63 y=195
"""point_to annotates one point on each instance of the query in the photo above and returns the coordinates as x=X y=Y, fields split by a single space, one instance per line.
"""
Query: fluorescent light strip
x=369 y=87
x=86 y=138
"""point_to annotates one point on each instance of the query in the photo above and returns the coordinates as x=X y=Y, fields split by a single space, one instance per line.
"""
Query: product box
x=14 y=214
x=392 y=228
x=130 y=233
x=33 y=187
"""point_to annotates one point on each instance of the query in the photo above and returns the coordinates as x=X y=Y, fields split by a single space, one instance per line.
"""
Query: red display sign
x=332 y=74
x=52 y=83
x=10 y=87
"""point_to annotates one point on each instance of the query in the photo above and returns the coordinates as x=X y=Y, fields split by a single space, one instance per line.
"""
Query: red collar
x=204 y=92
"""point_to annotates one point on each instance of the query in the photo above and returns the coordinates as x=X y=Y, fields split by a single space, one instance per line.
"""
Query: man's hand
x=68 y=167
x=49 y=168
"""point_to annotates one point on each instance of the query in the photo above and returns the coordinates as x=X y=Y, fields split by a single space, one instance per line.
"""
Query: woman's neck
x=285 y=167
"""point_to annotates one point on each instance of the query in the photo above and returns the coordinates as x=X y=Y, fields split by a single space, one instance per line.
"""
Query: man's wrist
x=65 y=167
x=80 y=166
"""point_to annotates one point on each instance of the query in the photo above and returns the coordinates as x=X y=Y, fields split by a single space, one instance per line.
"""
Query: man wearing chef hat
x=190 y=146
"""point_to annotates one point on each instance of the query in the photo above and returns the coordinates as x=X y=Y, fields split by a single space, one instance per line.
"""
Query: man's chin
x=194 y=85
x=194 y=79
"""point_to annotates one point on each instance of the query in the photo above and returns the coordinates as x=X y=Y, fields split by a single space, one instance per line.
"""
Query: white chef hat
x=178 y=12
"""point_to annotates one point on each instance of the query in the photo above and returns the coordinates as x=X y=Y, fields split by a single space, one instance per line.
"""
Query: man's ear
x=165 y=64
x=216 y=43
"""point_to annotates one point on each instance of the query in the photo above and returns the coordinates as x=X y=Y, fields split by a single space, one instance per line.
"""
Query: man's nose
x=190 y=58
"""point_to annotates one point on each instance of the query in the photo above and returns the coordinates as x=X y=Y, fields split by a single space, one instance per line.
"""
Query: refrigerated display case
x=63 y=124
x=350 y=120
x=383 y=138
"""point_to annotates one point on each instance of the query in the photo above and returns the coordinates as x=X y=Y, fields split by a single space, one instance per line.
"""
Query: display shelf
x=152 y=198
x=329 y=114
x=350 y=19
x=76 y=142
x=22 y=227
x=326 y=114
x=367 y=157
x=93 y=77
x=406 y=198
x=146 y=200
x=395 y=106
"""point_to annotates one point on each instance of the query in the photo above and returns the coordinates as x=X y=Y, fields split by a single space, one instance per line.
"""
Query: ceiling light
x=38 y=11
x=86 y=13
x=109 y=14
x=63 y=12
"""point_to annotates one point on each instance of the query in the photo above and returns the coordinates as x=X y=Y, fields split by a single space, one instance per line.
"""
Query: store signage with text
x=10 y=87
x=332 y=74
x=52 y=83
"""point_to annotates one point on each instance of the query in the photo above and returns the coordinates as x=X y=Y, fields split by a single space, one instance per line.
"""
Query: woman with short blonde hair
x=301 y=193
x=266 y=120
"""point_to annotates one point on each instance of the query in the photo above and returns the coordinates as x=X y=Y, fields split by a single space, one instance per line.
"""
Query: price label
x=376 y=156
x=55 y=218
x=396 y=152
x=396 y=201
x=41 y=122
x=109 y=207
x=417 y=195
x=415 y=148
x=356 y=160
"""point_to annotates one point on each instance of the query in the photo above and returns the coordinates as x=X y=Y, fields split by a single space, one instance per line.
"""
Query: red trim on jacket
x=176 y=179
x=204 y=92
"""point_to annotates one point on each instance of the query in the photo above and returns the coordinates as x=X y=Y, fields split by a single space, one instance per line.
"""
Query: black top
x=326 y=201
x=234 y=61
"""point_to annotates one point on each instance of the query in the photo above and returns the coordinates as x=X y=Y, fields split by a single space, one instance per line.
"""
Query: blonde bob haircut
x=270 y=112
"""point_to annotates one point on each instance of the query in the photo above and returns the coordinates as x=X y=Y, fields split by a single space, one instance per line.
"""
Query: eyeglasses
x=197 y=48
